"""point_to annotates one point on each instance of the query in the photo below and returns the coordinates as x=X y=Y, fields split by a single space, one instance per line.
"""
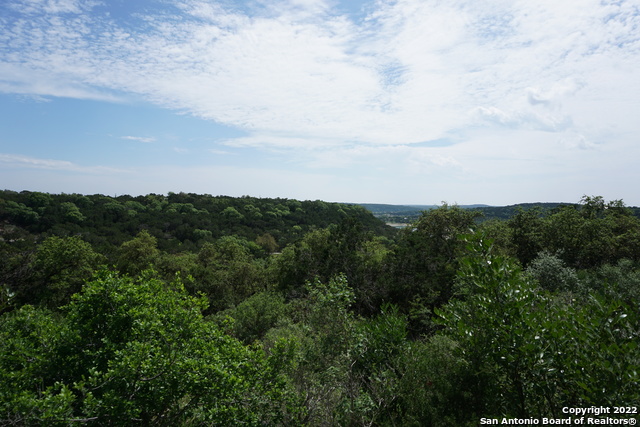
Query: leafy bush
x=552 y=273
x=253 y=317
x=542 y=353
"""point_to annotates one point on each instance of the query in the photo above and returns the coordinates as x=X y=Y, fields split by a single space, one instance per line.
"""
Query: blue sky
x=407 y=101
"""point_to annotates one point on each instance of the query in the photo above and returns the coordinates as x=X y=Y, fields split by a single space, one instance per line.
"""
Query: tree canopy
x=199 y=310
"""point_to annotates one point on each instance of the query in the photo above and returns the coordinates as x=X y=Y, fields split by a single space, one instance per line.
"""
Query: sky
x=401 y=102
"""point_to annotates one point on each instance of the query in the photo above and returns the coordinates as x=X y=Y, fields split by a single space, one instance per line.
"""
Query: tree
x=526 y=228
x=138 y=254
x=135 y=352
x=30 y=389
x=71 y=213
x=18 y=212
x=227 y=273
x=255 y=316
x=267 y=242
x=593 y=234
x=58 y=269
x=426 y=257
x=552 y=273
x=232 y=214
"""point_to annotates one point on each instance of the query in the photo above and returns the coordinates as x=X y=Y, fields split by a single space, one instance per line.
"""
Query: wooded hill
x=180 y=221
x=193 y=309
x=410 y=213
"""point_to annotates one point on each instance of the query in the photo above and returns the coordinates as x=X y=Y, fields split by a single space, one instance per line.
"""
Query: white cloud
x=27 y=162
x=51 y=6
x=412 y=72
x=144 y=139
x=533 y=89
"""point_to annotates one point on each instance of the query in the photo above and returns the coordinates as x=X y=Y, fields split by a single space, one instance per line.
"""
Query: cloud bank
x=529 y=82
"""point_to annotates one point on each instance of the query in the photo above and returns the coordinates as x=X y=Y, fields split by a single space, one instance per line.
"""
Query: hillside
x=180 y=221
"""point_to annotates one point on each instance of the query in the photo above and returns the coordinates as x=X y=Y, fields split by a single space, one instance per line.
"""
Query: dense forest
x=191 y=309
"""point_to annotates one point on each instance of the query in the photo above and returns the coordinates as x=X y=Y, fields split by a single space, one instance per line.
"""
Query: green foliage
x=530 y=354
x=174 y=219
x=552 y=274
x=593 y=234
x=527 y=227
x=170 y=266
x=201 y=234
x=329 y=314
x=375 y=369
x=71 y=213
x=436 y=385
x=267 y=242
x=227 y=272
x=30 y=389
x=303 y=261
x=347 y=367
x=346 y=248
x=619 y=281
x=56 y=271
x=256 y=315
x=18 y=212
x=232 y=214
x=320 y=331
x=138 y=254
x=347 y=325
x=426 y=259
x=135 y=353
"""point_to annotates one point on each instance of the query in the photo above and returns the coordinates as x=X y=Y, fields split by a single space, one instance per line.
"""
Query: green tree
x=255 y=316
x=619 y=281
x=436 y=386
x=71 y=213
x=526 y=227
x=344 y=248
x=552 y=274
x=267 y=242
x=18 y=212
x=232 y=214
x=58 y=269
x=593 y=234
x=375 y=370
x=31 y=392
x=136 y=353
x=227 y=273
x=138 y=254
x=303 y=261
x=426 y=257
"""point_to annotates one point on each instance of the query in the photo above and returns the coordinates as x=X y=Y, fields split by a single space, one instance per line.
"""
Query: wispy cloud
x=20 y=161
x=296 y=76
x=410 y=72
x=144 y=139
x=51 y=6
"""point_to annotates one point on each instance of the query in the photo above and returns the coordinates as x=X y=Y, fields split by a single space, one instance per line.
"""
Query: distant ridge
x=408 y=213
x=390 y=208
x=379 y=208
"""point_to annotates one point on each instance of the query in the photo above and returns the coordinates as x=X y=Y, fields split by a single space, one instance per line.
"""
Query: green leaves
x=138 y=254
x=56 y=271
x=545 y=352
x=132 y=352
